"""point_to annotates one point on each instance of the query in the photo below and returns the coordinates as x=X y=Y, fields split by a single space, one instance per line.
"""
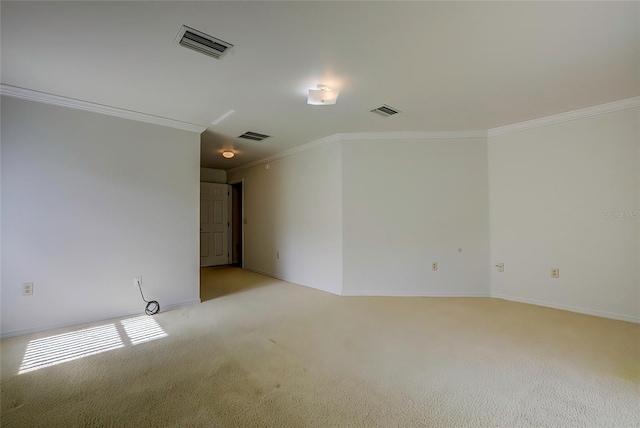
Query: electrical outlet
x=500 y=267
x=555 y=273
x=278 y=255
x=434 y=266
x=27 y=289
x=137 y=280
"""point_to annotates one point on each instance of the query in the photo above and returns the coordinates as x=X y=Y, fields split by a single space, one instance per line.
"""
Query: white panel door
x=214 y=224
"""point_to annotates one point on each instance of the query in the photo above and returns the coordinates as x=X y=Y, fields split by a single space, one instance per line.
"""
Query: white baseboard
x=287 y=280
x=180 y=304
x=92 y=320
x=369 y=293
x=569 y=308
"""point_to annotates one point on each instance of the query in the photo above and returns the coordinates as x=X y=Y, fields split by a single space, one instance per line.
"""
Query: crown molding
x=565 y=117
x=412 y=135
x=31 y=95
x=507 y=129
x=355 y=136
x=335 y=138
x=42 y=97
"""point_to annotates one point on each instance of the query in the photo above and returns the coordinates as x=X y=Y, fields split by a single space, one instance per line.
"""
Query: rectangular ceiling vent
x=253 y=136
x=203 y=43
x=385 y=110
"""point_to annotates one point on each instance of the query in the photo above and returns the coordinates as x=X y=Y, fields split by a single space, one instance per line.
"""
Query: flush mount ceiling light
x=323 y=96
x=228 y=154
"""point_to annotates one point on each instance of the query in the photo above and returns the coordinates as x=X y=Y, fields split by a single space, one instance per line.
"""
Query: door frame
x=242 y=217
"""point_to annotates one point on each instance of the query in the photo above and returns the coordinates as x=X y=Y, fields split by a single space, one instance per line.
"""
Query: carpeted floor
x=263 y=352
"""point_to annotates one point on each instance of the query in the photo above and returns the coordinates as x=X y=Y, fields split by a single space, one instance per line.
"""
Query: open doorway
x=237 y=224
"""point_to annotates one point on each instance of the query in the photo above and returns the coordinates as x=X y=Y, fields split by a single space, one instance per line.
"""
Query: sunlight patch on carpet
x=61 y=348
x=143 y=329
x=58 y=349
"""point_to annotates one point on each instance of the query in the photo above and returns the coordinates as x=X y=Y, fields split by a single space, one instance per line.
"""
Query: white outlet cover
x=27 y=289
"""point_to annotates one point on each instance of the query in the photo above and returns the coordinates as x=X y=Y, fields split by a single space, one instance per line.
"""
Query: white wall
x=407 y=203
x=295 y=208
x=211 y=175
x=550 y=190
x=88 y=202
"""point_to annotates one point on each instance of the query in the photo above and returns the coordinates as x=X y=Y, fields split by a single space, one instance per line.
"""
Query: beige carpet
x=262 y=352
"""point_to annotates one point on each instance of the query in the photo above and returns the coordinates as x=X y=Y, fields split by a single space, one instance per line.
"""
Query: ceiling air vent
x=203 y=43
x=253 y=136
x=385 y=110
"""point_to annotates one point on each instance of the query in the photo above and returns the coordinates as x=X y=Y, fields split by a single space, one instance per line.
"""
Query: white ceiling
x=448 y=66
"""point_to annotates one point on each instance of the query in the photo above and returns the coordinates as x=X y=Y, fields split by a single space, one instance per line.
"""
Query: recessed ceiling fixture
x=203 y=43
x=228 y=154
x=253 y=136
x=323 y=96
x=385 y=110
